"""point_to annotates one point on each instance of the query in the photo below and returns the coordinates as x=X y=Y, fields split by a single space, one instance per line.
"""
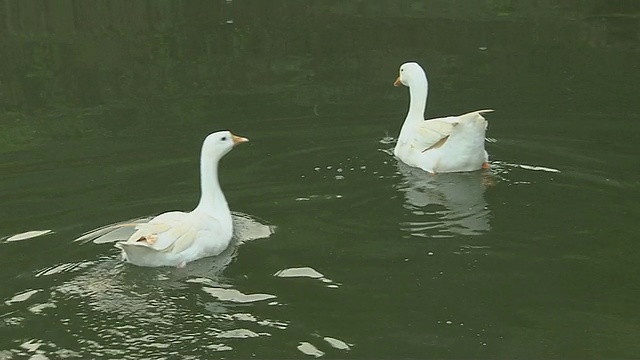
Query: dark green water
x=104 y=105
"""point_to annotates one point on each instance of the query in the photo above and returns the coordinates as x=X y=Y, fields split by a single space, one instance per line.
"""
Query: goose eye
x=224 y=138
x=401 y=69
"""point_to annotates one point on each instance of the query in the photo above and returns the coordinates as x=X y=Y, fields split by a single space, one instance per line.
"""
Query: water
x=104 y=107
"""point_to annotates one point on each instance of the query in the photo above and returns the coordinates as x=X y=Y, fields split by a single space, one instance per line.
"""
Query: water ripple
x=27 y=235
x=306 y=272
x=129 y=312
x=308 y=349
x=236 y=296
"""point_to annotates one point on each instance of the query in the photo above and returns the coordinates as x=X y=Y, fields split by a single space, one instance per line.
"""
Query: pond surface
x=341 y=251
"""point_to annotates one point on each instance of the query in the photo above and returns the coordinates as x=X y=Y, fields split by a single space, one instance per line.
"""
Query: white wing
x=172 y=231
x=433 y=133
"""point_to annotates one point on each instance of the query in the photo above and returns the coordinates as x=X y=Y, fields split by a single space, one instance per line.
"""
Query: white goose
x=450 y=144
x=176 y=238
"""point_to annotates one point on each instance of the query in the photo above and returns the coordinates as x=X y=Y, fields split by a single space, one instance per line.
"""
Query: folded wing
x=433 y=133
x=169 y=232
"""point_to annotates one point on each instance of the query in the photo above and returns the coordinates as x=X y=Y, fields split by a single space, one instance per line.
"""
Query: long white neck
x=418 y=89
x=212 y=200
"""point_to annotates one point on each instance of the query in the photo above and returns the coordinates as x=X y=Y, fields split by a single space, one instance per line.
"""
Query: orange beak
x=238 y=139
x=397 y=82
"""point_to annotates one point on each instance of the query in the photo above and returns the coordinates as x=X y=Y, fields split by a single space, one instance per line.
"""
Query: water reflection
x=306 y=272
x=131 y=312
x=445 y=204
x=85 y=83
x=145 y=301
x=27 y=235
x=198 y=302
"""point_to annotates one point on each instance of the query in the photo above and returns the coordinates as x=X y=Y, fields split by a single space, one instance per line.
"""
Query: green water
x=104 y=105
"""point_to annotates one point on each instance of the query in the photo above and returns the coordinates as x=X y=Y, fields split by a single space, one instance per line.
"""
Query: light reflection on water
x=131 y=312
x=356 y=268
x=146 y=302
x=202 y=310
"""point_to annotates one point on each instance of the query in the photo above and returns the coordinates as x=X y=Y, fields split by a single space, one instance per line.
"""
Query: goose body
x=449 y=144
x=176 y=238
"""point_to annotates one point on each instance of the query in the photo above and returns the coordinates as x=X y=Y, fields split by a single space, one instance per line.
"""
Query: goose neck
x=418 y=100
x=212 y=200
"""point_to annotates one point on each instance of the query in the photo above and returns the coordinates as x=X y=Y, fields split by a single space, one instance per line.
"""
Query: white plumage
x=449 y=144
x=176 y=238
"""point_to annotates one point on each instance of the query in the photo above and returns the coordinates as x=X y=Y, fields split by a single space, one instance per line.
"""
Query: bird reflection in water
x=445 y=204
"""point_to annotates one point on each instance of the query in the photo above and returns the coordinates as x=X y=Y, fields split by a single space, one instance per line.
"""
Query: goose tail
x=140 y=254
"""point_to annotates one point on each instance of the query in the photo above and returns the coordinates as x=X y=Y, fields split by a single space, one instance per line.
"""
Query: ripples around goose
x=105 y=308
x=131 y=312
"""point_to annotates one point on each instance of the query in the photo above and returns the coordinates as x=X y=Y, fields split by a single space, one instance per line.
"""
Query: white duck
x=176 y=238
x=450 y=144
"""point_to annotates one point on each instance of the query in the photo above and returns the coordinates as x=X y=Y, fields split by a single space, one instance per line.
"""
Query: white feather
x=449 y=144
x=176 y=238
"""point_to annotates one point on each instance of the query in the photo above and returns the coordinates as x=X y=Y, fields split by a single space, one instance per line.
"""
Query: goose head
x=218 y=144
x=410 y=73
